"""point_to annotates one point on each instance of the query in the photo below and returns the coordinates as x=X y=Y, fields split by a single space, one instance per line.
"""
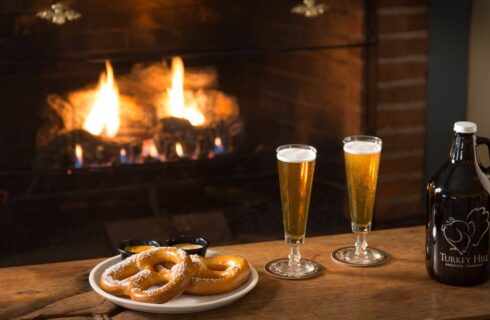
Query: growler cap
x=464 y=127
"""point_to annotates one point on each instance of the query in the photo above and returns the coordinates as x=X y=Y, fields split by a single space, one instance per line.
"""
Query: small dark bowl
x=134 y=242
x=190 y=239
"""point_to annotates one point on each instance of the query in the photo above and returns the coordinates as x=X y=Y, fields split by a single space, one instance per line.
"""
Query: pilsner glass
x=362 y=154
x=296 y=164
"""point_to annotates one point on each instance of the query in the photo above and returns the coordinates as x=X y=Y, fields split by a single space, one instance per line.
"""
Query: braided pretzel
x=218 y=274
x=137 y=275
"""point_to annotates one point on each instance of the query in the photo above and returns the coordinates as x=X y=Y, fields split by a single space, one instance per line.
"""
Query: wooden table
x=398 y=290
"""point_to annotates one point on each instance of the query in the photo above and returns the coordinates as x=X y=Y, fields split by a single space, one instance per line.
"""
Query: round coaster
x=317 y=269
x=380 y=257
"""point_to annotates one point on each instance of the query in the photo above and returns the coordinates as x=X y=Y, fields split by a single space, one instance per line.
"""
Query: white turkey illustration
x=461 y=234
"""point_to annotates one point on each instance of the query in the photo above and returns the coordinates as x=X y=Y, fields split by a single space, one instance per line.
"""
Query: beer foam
x=362 y=147
x=296 y=155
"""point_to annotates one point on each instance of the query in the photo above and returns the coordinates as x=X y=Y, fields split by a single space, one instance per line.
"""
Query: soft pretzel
x=138 y=277
x=218 y=274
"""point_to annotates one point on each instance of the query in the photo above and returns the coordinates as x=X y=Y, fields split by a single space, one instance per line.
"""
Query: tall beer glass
x=361 y=154
x=296 y=164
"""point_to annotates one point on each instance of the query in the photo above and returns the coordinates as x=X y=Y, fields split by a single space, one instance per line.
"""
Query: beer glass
x=361 y=154
x=296 y=164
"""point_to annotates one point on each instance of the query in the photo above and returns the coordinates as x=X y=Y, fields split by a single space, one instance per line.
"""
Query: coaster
x=380 y=257
x=317 y=269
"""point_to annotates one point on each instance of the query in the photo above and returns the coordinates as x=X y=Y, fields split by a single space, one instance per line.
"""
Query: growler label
x=464 y=237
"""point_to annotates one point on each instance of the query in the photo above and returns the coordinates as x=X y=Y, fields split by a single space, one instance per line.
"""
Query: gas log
x=158 y=114
x=196 y=142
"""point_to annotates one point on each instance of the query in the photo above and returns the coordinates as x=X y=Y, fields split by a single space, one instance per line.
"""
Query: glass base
x=306 y=269
x=372 y=257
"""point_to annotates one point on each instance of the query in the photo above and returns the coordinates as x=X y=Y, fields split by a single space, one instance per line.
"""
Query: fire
x=103 y=118
x=179 y=150
x=149 y=149
x=218 y=146
x=217 y=142
x=178 y=106
x=123 y=156
x=79 y=152
x=78 y=156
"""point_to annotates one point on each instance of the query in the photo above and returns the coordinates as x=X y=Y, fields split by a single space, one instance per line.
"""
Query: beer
x=296 y=167
x=361 y=168
x=295 y=163
x=361 y=155
x=458 y=206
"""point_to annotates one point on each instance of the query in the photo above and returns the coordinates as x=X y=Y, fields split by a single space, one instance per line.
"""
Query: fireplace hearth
x=151 y=119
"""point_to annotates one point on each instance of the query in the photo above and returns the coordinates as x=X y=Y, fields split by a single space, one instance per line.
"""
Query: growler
x=457 y=240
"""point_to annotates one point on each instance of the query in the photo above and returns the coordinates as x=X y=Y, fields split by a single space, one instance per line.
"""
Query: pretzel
x=138 y=277
x=218 y=274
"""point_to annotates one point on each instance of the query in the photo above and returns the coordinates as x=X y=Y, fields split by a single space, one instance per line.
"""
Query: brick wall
x=304 y=96
x=401 y=98
x=401 y=107
x=309 y=96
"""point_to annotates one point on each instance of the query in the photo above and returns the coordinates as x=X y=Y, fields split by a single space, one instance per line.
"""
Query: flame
x=179 y=150
x=219 y=148
x=103 y=118
x=78 y=156
x=123 y=158
x=78 y=151
x=149 y=149
x=217 y=142
x=180 y=108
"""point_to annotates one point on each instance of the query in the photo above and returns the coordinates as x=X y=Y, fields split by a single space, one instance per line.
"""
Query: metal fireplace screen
x=126 y=110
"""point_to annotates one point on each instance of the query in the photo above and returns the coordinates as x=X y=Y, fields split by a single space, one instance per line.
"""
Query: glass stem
x=294 y=256
x=361 y=243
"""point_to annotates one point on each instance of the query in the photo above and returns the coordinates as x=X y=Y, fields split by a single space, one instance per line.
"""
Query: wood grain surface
x=400 y=289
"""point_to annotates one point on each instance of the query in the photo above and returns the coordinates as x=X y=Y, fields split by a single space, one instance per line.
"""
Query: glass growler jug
x=458 y=204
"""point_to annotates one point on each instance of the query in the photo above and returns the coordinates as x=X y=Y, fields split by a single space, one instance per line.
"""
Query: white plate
x=183 y=304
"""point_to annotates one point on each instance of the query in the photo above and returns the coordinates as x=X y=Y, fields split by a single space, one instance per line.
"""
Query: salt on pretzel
x=214 y=275
x=138 y=277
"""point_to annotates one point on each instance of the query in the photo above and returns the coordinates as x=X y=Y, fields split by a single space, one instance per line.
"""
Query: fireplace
x=150 y=119
x=154 y=114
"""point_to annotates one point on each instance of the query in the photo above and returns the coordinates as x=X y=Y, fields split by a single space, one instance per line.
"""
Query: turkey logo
x=461 y=234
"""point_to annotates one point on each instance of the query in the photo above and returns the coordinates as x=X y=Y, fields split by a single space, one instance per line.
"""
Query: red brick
x=332 y=66
x=402 y=47
x=405 y=141
x=399 y=187
x=396 y=211
x=397 y=71
x=402 y=94
x=402 y=34
x=400 y=3
x=402 y=23
x=409 y=163
x=401 y=118
x=344 y=91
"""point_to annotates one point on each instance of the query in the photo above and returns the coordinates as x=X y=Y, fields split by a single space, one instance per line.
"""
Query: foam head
x=362 y=147
x=296 y=155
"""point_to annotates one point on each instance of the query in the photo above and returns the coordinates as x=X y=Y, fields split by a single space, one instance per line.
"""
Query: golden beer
x=295 y=163
x=362 y=155
x=296 y=167
x=361 y=169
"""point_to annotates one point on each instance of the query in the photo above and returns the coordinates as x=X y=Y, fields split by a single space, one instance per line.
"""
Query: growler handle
x=485 y=141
